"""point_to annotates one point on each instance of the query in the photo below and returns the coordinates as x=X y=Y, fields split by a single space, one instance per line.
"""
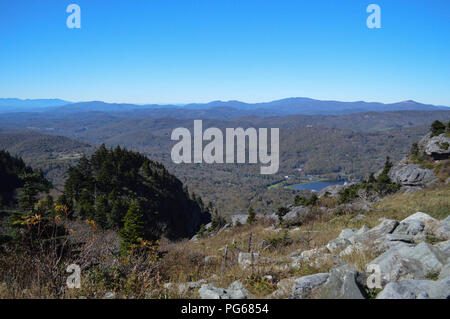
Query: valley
x=328 y=146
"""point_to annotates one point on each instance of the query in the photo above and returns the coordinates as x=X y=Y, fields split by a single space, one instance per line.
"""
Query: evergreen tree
x=437 y=128
x=281 y=211
x=33 y=184
x=133 y=226
x=251 y=215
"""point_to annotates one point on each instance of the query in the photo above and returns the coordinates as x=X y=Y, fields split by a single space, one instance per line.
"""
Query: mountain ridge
x=287 y=106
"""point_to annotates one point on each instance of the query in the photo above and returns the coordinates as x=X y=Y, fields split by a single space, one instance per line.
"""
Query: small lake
x=317 y=186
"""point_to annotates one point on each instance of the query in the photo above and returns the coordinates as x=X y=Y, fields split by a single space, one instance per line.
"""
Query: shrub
x=437 y=128
x=281 y=211
x=251 y=215
x=302 y=201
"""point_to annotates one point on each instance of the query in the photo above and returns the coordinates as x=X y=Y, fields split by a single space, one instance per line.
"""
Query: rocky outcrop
x=405 y=264
x=406 y=261
x=411 y=175
x=437 y=147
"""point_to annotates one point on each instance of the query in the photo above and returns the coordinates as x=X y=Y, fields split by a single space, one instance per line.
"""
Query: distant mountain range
x=19 y=105
x=215 y=109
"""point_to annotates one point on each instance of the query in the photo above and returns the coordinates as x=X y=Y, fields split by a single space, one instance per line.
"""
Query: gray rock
x=387 y=226
x=406 y=261
x=431 y=258
x=348 y=233
x=426 y=219
x=333 y=190
x=297 y=214
x=189 y=286
x=362 y=230
x=444 y=246
x=435 y=146
x=445 y=272
x=400 y=237
x=337 y=244
x=410 y=227
x=342 y=284
x=109 y=295
x=416 y=289
x=410 y=189
x=284 y=288
x=304 y=286
x=235 y=291
x=443 y=230
x=239 y=218
x=411 y=175
x=211 y=292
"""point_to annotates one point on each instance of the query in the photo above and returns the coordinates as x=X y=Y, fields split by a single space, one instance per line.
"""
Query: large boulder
x=416 y=289
x=406 y=261
x=426 y=219
x=437 y=146
x=411 y=227
x=377 y=233
x=411 y=175
x=297 y=214
x=342 y=284
x=239 y=219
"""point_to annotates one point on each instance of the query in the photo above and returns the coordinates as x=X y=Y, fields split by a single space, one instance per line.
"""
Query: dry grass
x=183 y=261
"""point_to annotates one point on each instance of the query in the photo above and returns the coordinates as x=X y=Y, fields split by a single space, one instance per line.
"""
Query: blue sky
x=168 y=51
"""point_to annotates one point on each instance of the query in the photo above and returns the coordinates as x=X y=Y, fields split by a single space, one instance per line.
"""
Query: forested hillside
x=104 y=187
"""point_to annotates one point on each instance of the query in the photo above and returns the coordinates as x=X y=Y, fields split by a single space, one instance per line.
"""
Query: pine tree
x=33 y=184
x=437 y=128
x=251 y=215
x=133 y=226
